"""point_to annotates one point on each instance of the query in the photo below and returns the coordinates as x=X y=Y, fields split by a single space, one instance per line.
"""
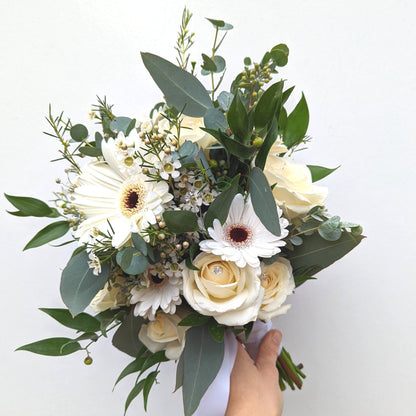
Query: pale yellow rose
x=278 y=147
x=293 y=188
x=109 y=297
x=164 y=334
x=230 y=294
x=191 y=131
x=278 y=282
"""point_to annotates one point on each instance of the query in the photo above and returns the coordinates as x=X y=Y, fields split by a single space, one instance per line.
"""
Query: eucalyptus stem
x=214 y=48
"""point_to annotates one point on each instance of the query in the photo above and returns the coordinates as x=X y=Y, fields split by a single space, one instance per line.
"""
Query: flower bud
x=257 y=142
x=88 y=360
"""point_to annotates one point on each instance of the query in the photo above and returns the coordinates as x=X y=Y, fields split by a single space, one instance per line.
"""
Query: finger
x=268 y=350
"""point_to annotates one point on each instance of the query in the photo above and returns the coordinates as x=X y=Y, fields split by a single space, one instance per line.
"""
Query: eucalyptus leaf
x=126 y=338
x=138 y=264
x=139 y=243
x=78 y=132
x=90 y=151
x=220 y=24
x=280 y=54
x=98 y=139
x=180 y=222
x=215 y=119
x=208 y=64
x=188 y=151
x=79 y=284
x=181 y=88
x=297 y=124
x=124 y=257
x=49 y=233
x=263 y=201
x=52 y=347
x=221 y=205
x=179 y=374
x=225 y=99
x=319 y=172
x=82 y=322
x=202 y=360
x=120 y=124
x=219 y=63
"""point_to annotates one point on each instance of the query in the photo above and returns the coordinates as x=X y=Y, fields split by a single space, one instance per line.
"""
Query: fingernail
x=277 y=337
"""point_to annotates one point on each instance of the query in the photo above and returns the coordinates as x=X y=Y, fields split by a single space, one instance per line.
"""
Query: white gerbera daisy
x=161 y=292
x=114 y=202
x=243 y=238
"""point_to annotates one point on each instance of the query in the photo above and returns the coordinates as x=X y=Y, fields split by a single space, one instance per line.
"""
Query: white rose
x=230 y=294
x=164 y=334
x=294 y=191
x=278 y=147
x=109 y=297
x=278 y=282
x=190 y=131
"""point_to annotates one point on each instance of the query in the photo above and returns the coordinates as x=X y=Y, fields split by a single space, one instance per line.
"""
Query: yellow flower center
x=132 y=199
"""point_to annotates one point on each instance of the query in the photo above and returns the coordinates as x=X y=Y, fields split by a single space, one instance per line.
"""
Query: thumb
x=268 y=350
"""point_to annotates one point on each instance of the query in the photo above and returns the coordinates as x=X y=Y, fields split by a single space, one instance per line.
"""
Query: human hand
x=254 y=386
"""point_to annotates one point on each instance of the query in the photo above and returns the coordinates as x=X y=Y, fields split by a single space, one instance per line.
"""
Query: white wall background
x=353 y=328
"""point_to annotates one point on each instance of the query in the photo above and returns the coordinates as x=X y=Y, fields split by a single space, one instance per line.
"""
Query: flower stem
x=288 y=371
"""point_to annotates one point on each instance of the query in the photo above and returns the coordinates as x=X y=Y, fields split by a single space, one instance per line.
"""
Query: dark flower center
x=238 y=235
x=132 y=200
x=156 y=279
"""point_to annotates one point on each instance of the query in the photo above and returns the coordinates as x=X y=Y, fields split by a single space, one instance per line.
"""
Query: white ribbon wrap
x=215 y=400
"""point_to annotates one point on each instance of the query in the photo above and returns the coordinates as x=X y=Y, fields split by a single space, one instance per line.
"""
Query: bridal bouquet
x=191 y=224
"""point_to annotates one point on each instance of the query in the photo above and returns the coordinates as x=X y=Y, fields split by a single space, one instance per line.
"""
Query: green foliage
x=216 y=330
x=315 y=254
x=220 y=24
x=215 y=119
x=90 y=150
x=49 y=233
x=179 y=222
x=208 y=64
x=107 y=317
x=194 y=319
x=238 y=119
x=149 y=381
x=263 y=201
x=79 y=284
x=264 y=150
x=330 y=229
x=136 y=390
x=297 y=124
x=268 y=106
x=181 y=89
x=202 y=360
x=123 y=124
x=78 y=132
x=139 y=243
x=52 y=346
x=280 y=54
x=134 y=367
x=82 y=322
x=319 y=172
x=221 y=205
x=132 y=261
x=126 y=338
x=31 y=207
x=224 y=100
x=179 y=374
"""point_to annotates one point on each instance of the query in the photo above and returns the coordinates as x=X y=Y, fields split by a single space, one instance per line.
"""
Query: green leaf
x=126 y=338
x=49 y=233
x=315 y=254
x=187 y=152
x=263 y=201
x=151 y=360
x=330 y=229
x=247 y=61
x=267 y=106
x=225 y=99
x=138 y=264
x=297 y=124
x=208 y=64
x=279 y=54
x=216 y=330
x=134 y=393
x=215 y=119
x=79 y=284
x=302 y=279
x=202 y=360
x=98 y=140
x=109 y=316
x=179 y=374
x=90 y=151
x=194 y=319
x=267 y=145
x=220 y=24
x=190 y=259
x=238 y=119
x=180 y=222
x=139 y=243
x=221 y=205
x=134 y=367
x=78 y=132
x=150 y=379
x=319 y=172
x=82 y=322
x=29 y=206
x=219 y=63
x=124 y=257
x=122 y=124
x=52 y=347
x=181 y=88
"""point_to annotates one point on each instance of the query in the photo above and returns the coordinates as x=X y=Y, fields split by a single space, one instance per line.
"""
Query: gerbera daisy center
x=132 y=199
x=238 y=235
